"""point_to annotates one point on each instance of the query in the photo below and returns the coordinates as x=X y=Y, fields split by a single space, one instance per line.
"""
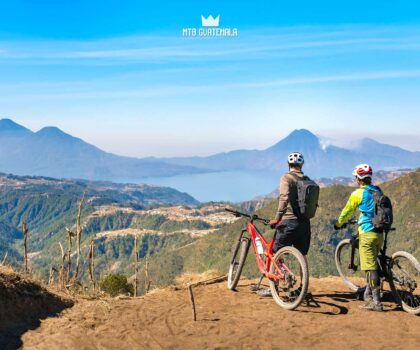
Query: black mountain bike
x=401 y=271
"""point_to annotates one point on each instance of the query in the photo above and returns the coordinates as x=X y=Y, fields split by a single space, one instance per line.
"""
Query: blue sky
x=120 y=75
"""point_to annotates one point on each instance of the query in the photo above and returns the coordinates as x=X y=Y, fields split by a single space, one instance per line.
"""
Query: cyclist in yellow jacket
x=370 y=241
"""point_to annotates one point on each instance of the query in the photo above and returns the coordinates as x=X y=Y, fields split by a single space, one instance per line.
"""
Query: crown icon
x=210 y=21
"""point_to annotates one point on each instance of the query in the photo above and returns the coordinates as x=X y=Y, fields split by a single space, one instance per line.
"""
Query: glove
x=339 y=228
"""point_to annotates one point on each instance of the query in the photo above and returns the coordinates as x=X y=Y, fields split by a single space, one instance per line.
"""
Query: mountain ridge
x=320 y=160
x=52 y=152
x=8 y=125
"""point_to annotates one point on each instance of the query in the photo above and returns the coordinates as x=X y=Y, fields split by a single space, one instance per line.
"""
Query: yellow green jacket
x=361 y=198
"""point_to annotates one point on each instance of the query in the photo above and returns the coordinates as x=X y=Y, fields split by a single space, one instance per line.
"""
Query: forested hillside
x=49 y=205
x=174 y=239
x=160 y=230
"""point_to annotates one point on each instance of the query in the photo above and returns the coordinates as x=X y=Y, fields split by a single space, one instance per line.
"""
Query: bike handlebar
x=354 y=221
x=237 y=213
x=253 y=217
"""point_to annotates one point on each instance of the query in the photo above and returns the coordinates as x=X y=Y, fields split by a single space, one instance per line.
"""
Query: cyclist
x=370 y=241
x=294 y=230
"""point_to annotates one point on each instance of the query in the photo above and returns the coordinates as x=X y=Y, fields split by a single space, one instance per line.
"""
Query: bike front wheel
x=353 y=277
x=291 y=288
x=405 y=281
x=238 y=261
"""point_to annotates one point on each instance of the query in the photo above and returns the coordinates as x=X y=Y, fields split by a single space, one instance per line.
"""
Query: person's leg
x=285 y=235
x=367 y=295
x=284 y=238
x=375 y=281
x=368 y=249
x=302 y=237
x=303 y=247
x=375 y=285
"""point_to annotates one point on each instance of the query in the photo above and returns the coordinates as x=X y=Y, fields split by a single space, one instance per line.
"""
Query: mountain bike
x=401 y=271
x=286 y=270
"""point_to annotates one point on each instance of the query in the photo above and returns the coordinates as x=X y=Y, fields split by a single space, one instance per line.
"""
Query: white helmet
x=295 y=158
x=363 y=171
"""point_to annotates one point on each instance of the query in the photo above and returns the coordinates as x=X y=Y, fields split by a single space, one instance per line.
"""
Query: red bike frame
x=264 y=266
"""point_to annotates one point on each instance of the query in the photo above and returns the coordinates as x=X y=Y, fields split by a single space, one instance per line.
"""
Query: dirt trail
x=227 y=320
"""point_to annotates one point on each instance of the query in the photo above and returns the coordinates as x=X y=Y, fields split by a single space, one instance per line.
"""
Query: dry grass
x=6 y=269
x=193 y=277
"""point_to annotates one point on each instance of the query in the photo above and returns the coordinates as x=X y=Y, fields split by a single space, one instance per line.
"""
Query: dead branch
x=79 y=233
x=4 y=259
x=91 y=263
x=136 y=266
x=202 y=283
x=70 y=234
x=146 y=276
x=51 y=277
x=25 y=239
x=211 y=281
x=63 y=259
x=190 y=291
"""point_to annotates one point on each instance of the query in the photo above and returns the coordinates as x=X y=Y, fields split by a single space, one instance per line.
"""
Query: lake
x=232 y=186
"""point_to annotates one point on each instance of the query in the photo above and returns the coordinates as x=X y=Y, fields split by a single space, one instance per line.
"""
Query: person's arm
x=349 y=210
x=284 y=197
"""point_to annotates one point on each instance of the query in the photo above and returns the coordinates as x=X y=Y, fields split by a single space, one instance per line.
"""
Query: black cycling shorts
x=296 y=233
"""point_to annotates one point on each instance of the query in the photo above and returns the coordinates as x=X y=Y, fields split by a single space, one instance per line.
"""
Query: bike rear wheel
x=289 y=291
x=354 y=278
x=238 y=262
x=405 y=281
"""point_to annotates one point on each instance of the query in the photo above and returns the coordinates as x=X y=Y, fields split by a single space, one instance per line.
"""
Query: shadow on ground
x=23 y=304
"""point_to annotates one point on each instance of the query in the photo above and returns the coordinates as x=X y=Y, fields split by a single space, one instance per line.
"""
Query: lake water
x=233 y=186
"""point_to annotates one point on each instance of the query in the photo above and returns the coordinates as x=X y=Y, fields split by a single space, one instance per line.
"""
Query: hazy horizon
x=348 y=142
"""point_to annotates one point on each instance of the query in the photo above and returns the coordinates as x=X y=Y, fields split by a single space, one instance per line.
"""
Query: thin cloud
x=176 y=90
x=358 y=76
x=250 y=44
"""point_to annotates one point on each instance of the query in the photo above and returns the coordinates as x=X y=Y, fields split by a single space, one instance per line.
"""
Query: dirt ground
x=227 y=320
x=23 y=304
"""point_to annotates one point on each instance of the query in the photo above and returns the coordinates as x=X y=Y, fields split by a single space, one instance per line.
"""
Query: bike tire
x=400 y=277
x=237 y=263
x=304 y=279
x=339 y=251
